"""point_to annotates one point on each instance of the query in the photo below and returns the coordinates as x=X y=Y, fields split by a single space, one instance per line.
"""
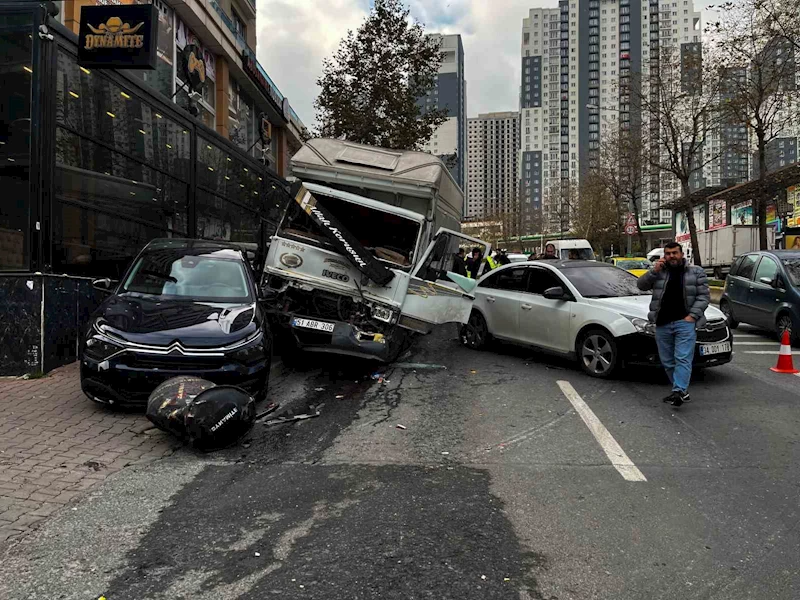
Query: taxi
x=637 y=265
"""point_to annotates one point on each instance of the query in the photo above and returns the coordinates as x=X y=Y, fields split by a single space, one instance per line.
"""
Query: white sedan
x=589 y=311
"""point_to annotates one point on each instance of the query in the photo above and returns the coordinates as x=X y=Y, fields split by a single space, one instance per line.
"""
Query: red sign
x=630 y=230
x=630 y=220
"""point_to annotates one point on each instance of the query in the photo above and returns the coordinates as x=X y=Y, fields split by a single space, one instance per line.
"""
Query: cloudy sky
x=295 y=35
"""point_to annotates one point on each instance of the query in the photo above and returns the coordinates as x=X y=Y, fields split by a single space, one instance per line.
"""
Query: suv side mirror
x=103 y=285
x=555 y=293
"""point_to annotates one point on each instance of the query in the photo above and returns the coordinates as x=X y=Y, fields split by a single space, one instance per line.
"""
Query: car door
x=544 y=322
x=500 y=296
x=436 y=294
x=739 y=288
x=763 y=293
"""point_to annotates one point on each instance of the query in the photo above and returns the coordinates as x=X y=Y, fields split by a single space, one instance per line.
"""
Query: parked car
x=635 y=265
x=184 y=307
x=763 y=289
x=589 y=311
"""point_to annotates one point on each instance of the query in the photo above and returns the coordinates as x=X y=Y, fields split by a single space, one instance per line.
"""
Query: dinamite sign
x=118 y=37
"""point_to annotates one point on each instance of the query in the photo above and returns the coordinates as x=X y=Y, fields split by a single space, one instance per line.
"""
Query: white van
x=577 y=249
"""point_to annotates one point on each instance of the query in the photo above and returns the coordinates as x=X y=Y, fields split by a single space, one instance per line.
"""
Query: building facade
x=577 y=62
x=492 y=164
x=449 y=142
x=237 y=90
x=95 y=163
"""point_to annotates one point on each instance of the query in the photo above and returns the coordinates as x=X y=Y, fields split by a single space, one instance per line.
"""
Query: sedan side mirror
x=555 y=293
x=103 y=285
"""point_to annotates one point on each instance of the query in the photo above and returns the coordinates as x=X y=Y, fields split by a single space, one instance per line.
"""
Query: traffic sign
x=630 y=230
x=630 y=221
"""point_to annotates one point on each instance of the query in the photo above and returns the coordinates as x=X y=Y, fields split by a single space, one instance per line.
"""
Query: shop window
x=219 y=219
x=108 y=205
x=90 y=104
x=16 y=71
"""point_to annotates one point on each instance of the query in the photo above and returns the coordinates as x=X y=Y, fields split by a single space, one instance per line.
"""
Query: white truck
x=719 y=247
x=366 y=253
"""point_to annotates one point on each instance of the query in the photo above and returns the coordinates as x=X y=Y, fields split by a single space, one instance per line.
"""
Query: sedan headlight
x=642 y=325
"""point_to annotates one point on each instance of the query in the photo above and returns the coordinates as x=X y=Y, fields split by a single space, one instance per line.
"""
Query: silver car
x=586 y=310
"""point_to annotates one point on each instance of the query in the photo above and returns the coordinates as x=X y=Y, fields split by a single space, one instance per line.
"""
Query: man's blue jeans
x=676 y=349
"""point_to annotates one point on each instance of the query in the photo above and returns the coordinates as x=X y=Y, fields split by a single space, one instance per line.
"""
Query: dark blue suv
x=763 y=289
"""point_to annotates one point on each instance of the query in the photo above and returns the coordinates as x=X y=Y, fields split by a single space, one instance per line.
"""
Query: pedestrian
x=549 y=253
x=459 y=266
x=502 y=258
x=474 y=263
x=680 y=298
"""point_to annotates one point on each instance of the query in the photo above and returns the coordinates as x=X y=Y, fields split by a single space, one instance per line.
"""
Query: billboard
x=742 y=214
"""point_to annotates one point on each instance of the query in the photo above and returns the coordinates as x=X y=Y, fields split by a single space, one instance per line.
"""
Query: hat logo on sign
x=114 y=33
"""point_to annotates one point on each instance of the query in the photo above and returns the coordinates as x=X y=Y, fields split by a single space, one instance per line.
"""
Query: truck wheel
x=725 y=307
x=475 y=333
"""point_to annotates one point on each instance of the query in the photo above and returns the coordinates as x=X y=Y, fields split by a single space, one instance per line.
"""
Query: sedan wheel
x=475 y=333
x=597 y=353
x=785 y=323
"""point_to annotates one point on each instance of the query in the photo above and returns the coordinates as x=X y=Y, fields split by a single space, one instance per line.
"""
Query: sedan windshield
x=179 y=274
x=633 y=264
x=603 y=282
x=792 y=266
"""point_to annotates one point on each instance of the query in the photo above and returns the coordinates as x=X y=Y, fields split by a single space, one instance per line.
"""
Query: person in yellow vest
x=491 y=263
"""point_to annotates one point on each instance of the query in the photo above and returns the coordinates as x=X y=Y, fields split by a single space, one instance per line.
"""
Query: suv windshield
x=603 y=282
x=183 y=273
x=792 y=266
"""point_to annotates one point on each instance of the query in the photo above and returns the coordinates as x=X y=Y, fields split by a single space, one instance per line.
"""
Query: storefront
x=94 y=163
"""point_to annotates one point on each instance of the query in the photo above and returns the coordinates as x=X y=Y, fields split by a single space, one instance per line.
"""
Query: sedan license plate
x=311 y=324
x=722 y=347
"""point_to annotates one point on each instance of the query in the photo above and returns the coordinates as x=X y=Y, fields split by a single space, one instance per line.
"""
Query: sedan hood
x=639 y=306
x=157 y=322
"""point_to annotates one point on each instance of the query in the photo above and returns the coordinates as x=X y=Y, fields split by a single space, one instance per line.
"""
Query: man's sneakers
x=677 y=398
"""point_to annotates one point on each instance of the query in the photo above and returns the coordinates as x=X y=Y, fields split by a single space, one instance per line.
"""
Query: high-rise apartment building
x=449 y=142
x=577 y=62
x=492 y=164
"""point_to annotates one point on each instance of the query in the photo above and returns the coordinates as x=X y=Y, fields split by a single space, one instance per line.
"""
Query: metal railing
x=276 y=93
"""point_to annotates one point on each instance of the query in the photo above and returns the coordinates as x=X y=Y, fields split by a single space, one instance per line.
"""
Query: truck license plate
x=706 y=349
x=311 y=324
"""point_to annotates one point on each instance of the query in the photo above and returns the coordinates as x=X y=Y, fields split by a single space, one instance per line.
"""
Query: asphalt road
x=499 y=486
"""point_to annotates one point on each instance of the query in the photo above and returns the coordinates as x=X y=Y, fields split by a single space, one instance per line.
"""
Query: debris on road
x=319 y=389
x=340 y=396
x=400 y=426
x=473 y=371
x=282 y=420
x=269 y=410
x=377 y=376
x=257 y=554
x=445 y=453
x=417 y=366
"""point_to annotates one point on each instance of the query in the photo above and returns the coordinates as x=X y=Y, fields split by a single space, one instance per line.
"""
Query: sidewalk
x=55 y=443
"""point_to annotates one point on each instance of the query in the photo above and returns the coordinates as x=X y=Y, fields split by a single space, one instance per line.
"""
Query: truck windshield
x=389 y=237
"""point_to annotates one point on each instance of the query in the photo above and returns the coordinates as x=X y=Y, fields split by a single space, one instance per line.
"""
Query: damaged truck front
x=366 y=254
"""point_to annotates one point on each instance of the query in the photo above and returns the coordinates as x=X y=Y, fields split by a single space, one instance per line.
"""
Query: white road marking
x=756 y=343
x=613 y=450
x=751 y=335
x=795 y=352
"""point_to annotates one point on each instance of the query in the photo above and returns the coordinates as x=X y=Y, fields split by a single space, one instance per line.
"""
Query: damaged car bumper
x=339 y=337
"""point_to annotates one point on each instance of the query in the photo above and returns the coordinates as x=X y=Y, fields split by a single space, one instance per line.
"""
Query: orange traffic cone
x=785 y=364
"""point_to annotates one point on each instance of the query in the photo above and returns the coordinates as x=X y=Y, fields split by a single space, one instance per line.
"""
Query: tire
x=786 y=322
x=475 y=333
x=725 y=307
x=598 y=354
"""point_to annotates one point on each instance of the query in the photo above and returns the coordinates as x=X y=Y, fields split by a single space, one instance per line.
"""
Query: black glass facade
x=93 y=165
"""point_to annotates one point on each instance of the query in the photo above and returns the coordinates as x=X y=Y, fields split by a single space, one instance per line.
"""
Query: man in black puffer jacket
x=680 y=298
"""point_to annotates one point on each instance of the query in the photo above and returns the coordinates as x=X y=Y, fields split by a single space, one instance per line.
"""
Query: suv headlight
x=642 y=325
x=251 y=352
x=101 y=347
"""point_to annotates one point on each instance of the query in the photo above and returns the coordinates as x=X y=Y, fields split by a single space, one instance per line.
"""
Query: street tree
x=597 y=215
x=757 y=71
x=783 y=18
x=370 y=87
x=681 y=106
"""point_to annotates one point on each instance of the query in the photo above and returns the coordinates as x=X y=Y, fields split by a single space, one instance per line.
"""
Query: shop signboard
x=700 y=217
x=793 y=198
x=193 y=67
x=118 y=37
x=717 y=214
x=772 y=214
x=185 y=37
x=742 y=214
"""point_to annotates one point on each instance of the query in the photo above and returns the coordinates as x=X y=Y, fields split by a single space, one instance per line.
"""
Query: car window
x=767 y=268
x=541 y=280
x=508 y=279
x=633 y=264
x=747 y=266
x=577 y=254
x=735 y=266
x=792 y=266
